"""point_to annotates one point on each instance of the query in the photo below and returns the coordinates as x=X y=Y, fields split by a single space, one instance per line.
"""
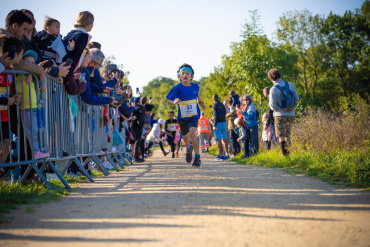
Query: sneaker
x=138 y=160
x=203 y=150
x=41 y=155
x=165 y=153
x=232 y=157
x=173 y=155
x=176 y=155
x=219 y=157
x=196 y=163
x=189 y=156
x=226 y=157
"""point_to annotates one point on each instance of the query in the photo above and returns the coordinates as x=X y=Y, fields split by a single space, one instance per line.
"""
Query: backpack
x=287 y=98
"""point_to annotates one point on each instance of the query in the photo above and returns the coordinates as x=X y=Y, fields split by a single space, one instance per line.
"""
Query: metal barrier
x=80 y=139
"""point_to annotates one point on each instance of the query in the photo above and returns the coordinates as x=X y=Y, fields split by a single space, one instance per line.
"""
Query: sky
x=153 y=38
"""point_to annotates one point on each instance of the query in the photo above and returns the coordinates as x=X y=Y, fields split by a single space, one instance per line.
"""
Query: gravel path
x=165 y=202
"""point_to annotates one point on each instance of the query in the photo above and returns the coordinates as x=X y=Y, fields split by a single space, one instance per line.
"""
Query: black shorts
x=185 y=125
x=5 y=130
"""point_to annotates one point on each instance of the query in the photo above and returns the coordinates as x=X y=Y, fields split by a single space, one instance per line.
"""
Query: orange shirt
x=203 y=126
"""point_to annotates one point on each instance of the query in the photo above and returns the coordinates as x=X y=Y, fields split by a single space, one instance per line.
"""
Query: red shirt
x=4 y=93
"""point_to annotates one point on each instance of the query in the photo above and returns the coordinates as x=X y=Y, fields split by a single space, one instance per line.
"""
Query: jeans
x=253 y=141
x=268 y=145
x=246 y=148
x=233 y=141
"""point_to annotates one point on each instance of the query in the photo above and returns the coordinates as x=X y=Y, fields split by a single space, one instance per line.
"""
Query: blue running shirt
x=188 y=107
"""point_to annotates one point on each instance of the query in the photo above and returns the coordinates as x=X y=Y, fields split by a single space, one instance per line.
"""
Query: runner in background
x=170 y=129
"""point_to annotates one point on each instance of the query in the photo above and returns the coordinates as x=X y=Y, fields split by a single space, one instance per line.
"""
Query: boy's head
x=239 y=122
x=17 y=23
x=85 y=19
x=96 y=58
x=274 y=74
x=232 y=92
x=147 y=128
x=19 y=47
x=30 y=56
x=52 y=26
x=185 y=73
x=143 y=100
x=171 y=114
x=266 y=91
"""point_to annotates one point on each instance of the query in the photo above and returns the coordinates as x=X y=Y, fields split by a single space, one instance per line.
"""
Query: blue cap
x=30 y=53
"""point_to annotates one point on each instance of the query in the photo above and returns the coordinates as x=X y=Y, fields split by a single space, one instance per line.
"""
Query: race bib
x=188 y=108
x=171 y=127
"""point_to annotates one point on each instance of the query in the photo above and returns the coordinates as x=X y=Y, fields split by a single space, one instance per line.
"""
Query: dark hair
x=94 y=44
x=232 y=92
x=266 y=89
x=143 y=100
x=215 y=97
x=9 y=41
x=274 y=74
x=16 y=16
x=185 y=65
x=171 y=112
x=26 y=11
x=152 y=115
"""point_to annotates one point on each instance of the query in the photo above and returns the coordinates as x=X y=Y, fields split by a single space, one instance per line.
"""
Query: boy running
x=185 y=95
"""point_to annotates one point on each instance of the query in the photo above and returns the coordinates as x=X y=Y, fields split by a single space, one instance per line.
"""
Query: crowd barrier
x=70 y=130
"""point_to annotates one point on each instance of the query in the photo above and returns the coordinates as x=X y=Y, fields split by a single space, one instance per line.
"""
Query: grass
x=347 y=168
x=11 y=196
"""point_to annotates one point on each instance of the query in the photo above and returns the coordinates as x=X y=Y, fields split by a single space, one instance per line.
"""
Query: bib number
x=188 y=108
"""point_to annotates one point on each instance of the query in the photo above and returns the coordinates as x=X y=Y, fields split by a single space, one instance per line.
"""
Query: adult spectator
x=250 y=116
x=219 y=127
x=137 y=128
x=233 y=136
x=281 y=103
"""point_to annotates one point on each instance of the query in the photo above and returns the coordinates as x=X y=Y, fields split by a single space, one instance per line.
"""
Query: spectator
x=266 y=131
x=243 y=136
x=137 y=128
x=234 y=99
x=50 y=42
x=170 y=129
x=28 y=106
x=155 y=136
x=250 y=116
x=219 y=127
x=270 y=119
x=283 y=117
x=233 y=136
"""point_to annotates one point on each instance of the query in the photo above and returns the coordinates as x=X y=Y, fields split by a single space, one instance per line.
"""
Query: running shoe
x=189 y=156
x=196 y=162
x=226 y=157
x=177 y=155
x=220 y=157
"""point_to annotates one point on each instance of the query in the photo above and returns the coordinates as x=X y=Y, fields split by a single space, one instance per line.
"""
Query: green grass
x=347 y=168
x=11 y=196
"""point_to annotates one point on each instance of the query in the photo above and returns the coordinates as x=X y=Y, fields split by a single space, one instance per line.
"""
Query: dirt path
x=165 y=202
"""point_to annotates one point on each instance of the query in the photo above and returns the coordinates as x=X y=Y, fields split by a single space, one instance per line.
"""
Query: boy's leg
x=29 y=120
x=194 y=139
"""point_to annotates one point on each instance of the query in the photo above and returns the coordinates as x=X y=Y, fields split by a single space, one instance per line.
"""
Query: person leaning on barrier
x=87 y=96
x=31 y=43
x=17 y=24
x=5 y=99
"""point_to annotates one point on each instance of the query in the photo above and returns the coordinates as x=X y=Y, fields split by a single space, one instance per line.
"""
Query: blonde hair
x=84 y=19
x=265 y=117
x=49 y=21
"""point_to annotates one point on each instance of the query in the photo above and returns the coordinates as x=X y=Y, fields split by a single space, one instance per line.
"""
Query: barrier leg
x=66 y=167
x=129 y=158
x=42 y=177
x=83 y=169
x=25 y=175
x=123 y=158
x=112 y=161
x=118 y=161
x=60 y=176
x=102 y=168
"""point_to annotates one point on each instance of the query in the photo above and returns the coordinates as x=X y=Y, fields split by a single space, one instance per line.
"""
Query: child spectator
x=267 y=131
x=155 y=136
x=243 y=136
x=5 y=99
x=50 y=42
x=146 y=131
x=85 y=22
x=28 y=107
x=234 y=100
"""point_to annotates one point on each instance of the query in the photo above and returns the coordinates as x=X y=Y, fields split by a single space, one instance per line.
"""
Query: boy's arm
x=30 y=67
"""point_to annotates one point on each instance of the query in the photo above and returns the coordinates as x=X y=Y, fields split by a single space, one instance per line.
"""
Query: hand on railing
x=114 y=101
x=107 y=90
x=15 y=99
x=63 y=70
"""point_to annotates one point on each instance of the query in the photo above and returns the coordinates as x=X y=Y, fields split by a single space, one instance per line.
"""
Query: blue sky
x=153 y=38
